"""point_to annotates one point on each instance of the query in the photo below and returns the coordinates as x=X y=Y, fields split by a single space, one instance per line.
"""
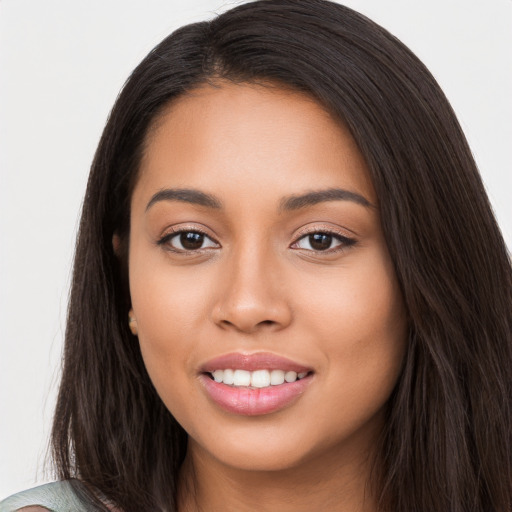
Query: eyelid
x=347 y=241
x=176 y=230
x=325 y=228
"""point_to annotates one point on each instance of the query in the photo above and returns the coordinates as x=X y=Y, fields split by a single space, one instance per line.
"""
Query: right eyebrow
x=185 y=195
x=296 y=202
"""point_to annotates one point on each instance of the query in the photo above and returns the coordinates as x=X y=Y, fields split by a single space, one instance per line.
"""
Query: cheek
x=361 y=324
x=170 y=309
x=361 y=301
x=169 y=300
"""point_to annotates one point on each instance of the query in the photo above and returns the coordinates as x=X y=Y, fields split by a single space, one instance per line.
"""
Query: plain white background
x=61 y=66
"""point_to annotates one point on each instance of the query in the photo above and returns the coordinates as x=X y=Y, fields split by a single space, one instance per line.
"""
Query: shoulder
x=31 y=508
x=56 y=497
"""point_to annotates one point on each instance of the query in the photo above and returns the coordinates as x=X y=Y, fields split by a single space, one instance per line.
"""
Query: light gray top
x=56 y=497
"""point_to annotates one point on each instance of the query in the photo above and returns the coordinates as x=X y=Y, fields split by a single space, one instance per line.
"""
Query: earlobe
x=132 y=322
x=116 y=244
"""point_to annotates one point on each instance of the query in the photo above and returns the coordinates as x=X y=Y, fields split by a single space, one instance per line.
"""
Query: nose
x=252 y=295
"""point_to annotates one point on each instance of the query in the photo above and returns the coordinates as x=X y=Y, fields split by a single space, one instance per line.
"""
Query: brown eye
x=191 y=240
x=323 y=242
x=183 y=241
x=320 y=241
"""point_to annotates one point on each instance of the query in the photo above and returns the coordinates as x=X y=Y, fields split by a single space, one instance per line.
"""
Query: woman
x=289 y=287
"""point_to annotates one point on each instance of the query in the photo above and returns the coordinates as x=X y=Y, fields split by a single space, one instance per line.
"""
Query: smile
x=254 y=384
x=256 y=379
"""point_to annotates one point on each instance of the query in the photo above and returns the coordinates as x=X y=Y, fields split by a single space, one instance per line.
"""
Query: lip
x=249 y=401
x=252 y=362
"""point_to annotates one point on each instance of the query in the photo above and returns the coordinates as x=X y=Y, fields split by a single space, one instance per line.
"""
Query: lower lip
x=254 y=401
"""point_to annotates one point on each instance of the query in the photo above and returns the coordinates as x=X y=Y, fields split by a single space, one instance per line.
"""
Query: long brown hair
x=447 y=445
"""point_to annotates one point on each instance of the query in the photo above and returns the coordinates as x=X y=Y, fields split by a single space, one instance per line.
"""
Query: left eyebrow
x=289 y=203
x=296 y=202
x=185 y=195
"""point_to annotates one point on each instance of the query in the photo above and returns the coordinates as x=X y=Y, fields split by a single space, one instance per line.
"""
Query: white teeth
x=257 y=378
x=229 y=377
x=290 y=376
x=276 y=377
x=260 y=379
x=241 y=378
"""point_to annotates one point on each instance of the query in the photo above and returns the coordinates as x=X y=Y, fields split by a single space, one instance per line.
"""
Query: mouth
x=256 y=379
x=254 y=384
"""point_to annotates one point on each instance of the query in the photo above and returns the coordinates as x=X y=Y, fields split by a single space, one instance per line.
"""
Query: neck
x=336 y=482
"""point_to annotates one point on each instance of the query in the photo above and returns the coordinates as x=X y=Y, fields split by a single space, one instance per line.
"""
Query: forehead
x=262 y=138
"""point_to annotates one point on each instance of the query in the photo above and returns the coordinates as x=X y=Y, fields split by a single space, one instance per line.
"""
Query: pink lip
x=254 y=401
x=251 y=362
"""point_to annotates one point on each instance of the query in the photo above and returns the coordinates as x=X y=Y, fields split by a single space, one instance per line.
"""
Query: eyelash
x=345 y=242
x=173 y=234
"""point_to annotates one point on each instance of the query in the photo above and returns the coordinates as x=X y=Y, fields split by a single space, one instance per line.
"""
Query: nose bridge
x=250 y=272
x=252 y=297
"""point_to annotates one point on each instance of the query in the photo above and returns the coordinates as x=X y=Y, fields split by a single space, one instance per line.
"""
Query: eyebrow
x=289 y=203
x=297 y=202
x=185 y=195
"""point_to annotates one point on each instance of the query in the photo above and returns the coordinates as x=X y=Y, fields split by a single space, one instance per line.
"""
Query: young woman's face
x=268 y=312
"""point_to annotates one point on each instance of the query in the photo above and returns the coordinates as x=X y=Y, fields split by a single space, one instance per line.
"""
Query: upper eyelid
x=327 y=230
x=169 y=234
x=187 y=229
x=345 y=241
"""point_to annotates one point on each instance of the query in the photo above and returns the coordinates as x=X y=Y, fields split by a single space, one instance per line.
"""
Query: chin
x=260 y=460
x=259 y=450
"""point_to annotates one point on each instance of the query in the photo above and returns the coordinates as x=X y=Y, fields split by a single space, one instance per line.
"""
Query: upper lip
x=252 y=362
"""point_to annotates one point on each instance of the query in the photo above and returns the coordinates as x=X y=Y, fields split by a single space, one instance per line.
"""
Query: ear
x=132 y=322
x=116 y=244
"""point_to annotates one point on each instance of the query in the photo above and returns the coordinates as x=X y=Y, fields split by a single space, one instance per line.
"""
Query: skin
x=257 y=285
